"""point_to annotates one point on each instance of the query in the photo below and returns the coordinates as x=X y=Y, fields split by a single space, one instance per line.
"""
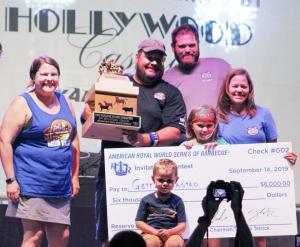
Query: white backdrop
x=79 y=34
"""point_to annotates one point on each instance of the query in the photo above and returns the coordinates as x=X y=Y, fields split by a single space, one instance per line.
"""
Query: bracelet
x=154 y=139
x=204 y=219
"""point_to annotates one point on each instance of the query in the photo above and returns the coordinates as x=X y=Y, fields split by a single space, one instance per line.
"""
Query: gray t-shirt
x=202 y=84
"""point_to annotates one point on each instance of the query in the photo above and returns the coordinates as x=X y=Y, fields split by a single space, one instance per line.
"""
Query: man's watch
x=10 y=180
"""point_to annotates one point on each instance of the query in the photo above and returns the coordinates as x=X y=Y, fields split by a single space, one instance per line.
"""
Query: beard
x=148 y=80
x=187 y=67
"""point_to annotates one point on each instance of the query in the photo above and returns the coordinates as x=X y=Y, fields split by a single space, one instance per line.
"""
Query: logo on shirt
x=206 y=76
x=159 y=96
x=252 y=131
x=58 y=134
x=162 y=213
x=120 y=168
x=182 y=121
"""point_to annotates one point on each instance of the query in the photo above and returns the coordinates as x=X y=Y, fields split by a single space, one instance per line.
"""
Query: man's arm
x=76 y=155
x=210 y=207
x=165 y=137
x=198 y=234
x=75 y=166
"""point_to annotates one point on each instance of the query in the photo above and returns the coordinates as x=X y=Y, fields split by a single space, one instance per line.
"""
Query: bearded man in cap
x=162 y=111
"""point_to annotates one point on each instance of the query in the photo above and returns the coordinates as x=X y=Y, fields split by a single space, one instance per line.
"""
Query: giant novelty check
x=267 y=178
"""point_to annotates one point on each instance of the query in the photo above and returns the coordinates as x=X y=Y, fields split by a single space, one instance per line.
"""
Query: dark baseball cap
x=148 y=45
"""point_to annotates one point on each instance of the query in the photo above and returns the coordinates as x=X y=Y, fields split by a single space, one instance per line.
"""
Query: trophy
x=114 y=100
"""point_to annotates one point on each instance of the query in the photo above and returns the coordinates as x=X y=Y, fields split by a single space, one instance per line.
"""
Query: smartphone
x=219 y=193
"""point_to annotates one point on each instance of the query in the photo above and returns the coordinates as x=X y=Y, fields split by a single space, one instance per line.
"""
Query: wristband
x=154 y=139
x=82 y=119
x=204 y=219
x=10 y=180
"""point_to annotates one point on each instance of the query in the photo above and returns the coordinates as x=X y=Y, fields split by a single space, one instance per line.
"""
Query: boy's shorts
x=174 y=240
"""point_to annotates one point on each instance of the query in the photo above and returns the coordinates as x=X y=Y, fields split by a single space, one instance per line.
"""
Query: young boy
x=161 y=215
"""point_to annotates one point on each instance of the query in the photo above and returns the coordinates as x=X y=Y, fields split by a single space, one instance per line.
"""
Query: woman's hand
x=210 y=145
x=75 y=186
x=13 y=191
x=291 y=157
x=188 y=145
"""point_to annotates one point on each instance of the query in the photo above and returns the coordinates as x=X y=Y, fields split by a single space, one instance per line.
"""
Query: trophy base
x=106 y=126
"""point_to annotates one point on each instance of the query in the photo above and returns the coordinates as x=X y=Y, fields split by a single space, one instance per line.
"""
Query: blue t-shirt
x=161 y=214
x=43 y=153
x=246 y=129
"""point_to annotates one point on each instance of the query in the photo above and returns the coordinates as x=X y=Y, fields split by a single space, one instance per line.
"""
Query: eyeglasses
x=168 y=181
x=155 y=57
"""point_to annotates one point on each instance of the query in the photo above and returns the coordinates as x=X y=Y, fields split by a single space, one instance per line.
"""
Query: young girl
x=202 y=128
